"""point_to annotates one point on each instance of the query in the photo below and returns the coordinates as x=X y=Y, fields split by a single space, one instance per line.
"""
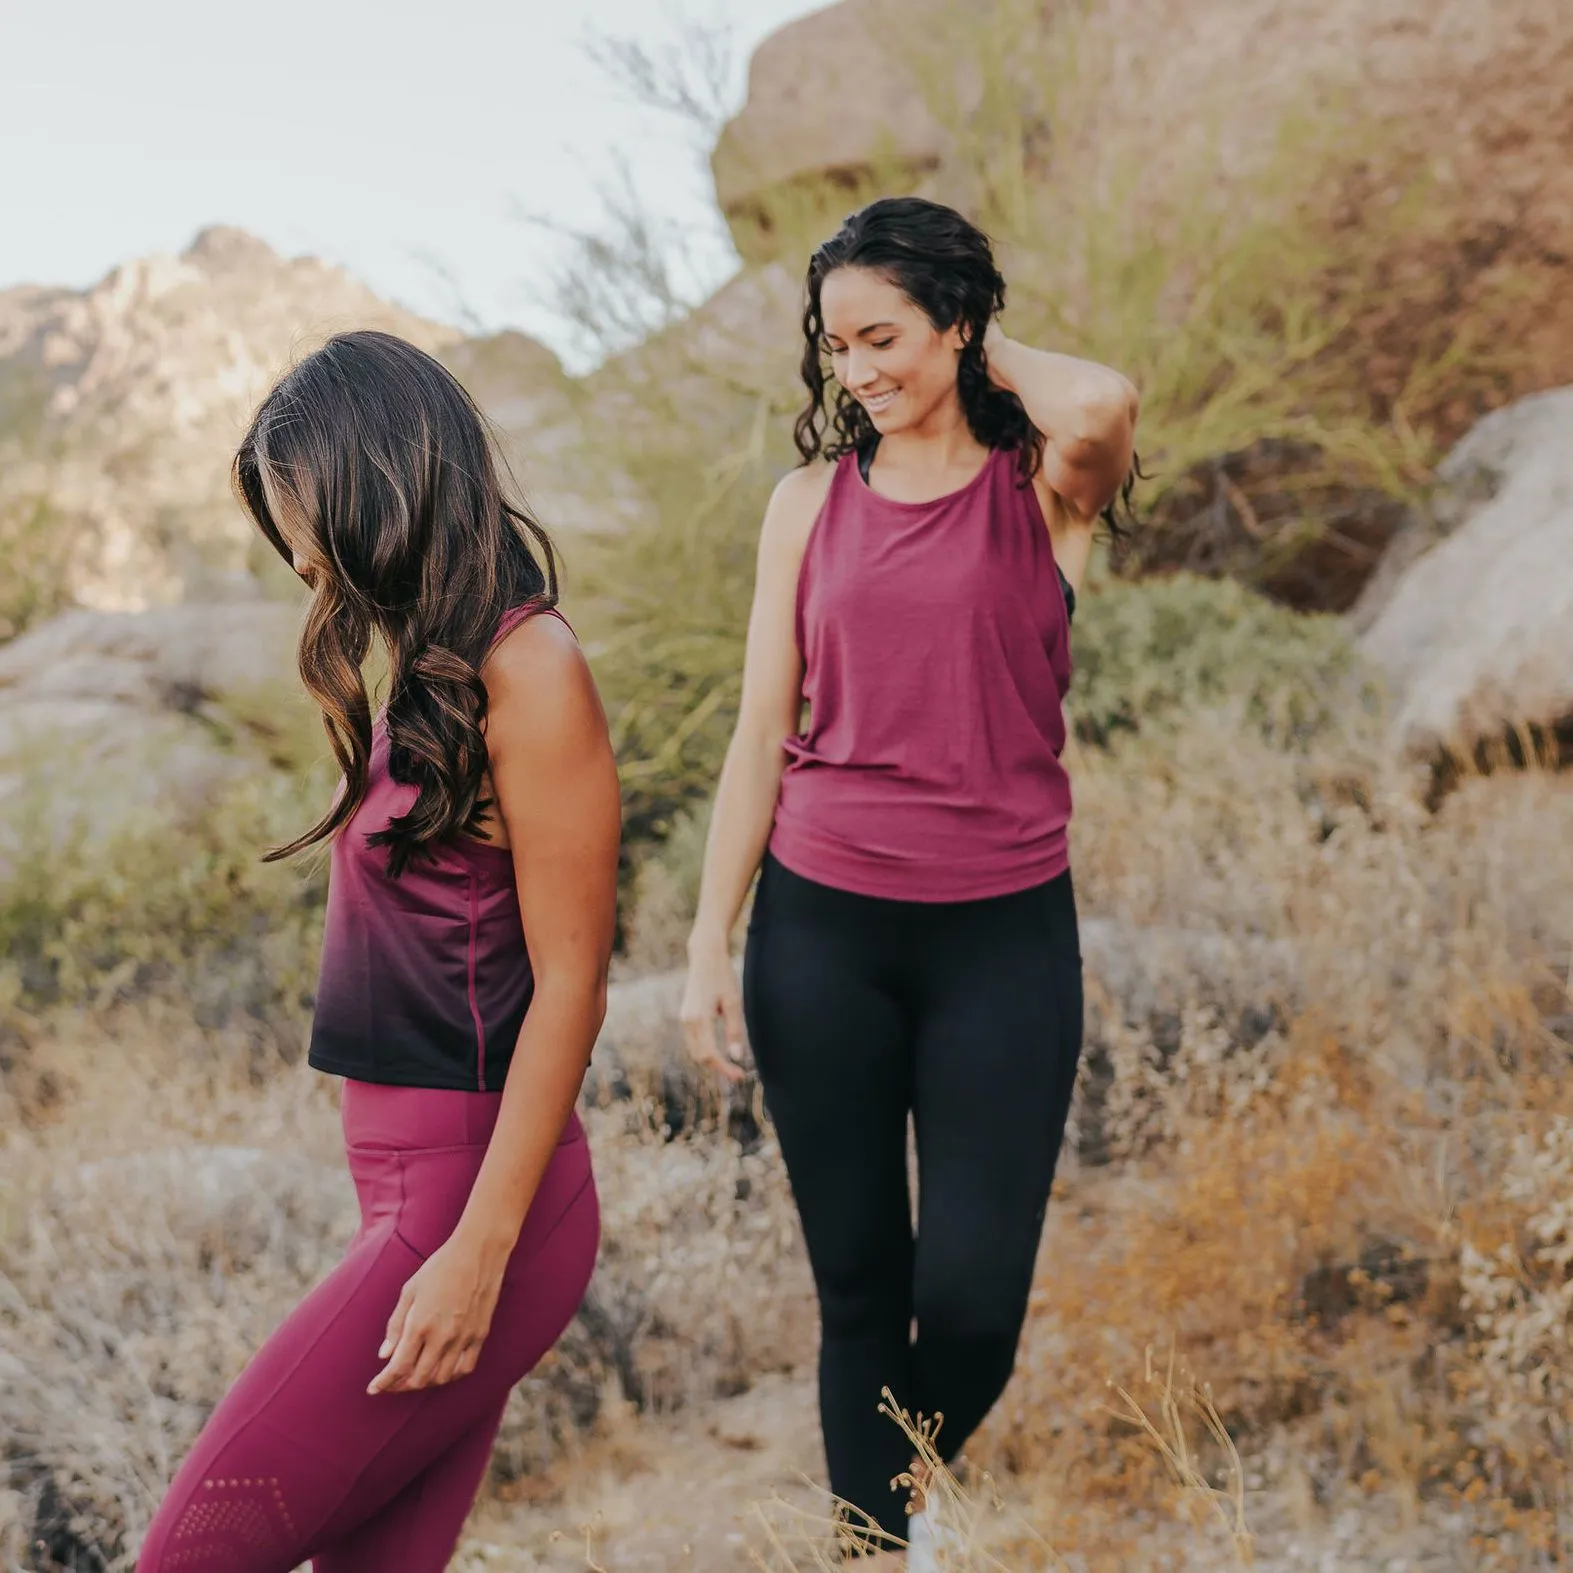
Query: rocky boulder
x=535 y=410
x=1472 y=622
x=1464 y=101
x=152 y=708
x=832 y=101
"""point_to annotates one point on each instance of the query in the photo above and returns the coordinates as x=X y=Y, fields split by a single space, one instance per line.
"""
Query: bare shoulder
x=538 y=671
x=539 y=645
x=795 y=503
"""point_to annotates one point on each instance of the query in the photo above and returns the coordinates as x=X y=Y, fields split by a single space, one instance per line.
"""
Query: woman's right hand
x=711 y=996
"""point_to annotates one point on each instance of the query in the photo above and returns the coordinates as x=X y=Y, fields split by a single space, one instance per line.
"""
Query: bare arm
x=750 y=781
x=1087 y=414
x=554 y=780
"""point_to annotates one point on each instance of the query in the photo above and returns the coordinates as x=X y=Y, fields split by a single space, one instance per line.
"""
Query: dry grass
x=1354 y=1225
x=1335 y=1189
x=1323 y=1145
x=169 y=1206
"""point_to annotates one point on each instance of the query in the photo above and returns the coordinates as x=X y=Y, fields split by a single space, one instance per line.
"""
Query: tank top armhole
x=804 y=564
x=1041 y=521
x=515 y=615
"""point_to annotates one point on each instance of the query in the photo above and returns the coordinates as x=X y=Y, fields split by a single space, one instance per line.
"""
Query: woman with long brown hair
x=471 y=907
x=912 y=951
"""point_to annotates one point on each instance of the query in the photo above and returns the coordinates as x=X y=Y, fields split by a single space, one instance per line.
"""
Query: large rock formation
x=122 y=404
x=104 y=715
x=535 y=412
x=833 y=101
x=1466 y=97
x=1476 y=635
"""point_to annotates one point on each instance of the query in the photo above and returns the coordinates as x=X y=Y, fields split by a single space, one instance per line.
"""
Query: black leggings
x=969 y=1015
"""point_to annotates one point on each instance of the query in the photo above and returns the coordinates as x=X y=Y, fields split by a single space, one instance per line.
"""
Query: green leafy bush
x=172 y=895
x=666 y=891
x=1149 y=655
x=36 y=535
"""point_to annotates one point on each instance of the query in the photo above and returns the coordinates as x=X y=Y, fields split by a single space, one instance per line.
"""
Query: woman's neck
x=940 y=445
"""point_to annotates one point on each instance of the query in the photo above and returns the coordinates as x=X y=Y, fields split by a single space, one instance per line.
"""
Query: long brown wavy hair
x=383 y=470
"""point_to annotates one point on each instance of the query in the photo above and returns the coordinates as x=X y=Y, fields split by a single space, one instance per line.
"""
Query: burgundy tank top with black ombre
x=936 y=651
x=425 y=978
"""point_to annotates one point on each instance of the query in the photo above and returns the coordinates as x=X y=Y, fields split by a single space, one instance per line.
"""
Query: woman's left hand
x=442 y=1318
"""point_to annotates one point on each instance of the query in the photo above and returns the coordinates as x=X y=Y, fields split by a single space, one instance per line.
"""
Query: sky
x=433 y=147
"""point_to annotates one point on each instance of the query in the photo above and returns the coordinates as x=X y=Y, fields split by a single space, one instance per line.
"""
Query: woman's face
x=302 y=549
x=884 y=350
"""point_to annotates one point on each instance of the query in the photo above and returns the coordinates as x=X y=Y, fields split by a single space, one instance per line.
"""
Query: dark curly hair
x=382 y=462
x=945 y=266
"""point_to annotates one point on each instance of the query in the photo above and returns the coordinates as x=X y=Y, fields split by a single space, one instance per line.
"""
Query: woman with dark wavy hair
x=912 y=949
x=479 y=808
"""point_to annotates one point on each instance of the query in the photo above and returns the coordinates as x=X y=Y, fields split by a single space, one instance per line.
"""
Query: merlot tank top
x=936 y=648
x=425 y=979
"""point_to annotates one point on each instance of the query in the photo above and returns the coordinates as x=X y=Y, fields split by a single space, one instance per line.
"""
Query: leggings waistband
x=403 y=1118
x=409 y=1119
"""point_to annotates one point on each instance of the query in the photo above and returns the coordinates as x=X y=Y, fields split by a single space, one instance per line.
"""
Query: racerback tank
x=936 y=647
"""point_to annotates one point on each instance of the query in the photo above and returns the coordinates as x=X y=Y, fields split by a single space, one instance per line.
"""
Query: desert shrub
x=667 y=608
x=107 y=895
x=1353 y=1226
x=172 y=897
x=182 y=1260
x=36 y=537
x=666 y=891
x=1515 y=1380
x=138 y=1283
x=35 y=547
x=1151 y=654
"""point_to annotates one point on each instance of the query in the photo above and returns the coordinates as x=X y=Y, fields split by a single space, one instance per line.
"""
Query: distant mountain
x=123 y=403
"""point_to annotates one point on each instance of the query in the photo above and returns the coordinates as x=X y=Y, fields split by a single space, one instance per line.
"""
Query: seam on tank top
x=475 y=1011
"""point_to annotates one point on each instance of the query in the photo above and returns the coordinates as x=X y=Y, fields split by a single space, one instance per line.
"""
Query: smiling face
x=885 y=351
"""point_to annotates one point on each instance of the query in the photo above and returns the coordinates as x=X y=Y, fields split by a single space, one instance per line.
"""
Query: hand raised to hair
x=996 y=352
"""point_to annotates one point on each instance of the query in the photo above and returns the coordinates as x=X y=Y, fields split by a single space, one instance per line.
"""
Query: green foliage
x=35 y=548
x=1241 y=306
x=173 y=896
x=1150 y=655
x=668 y=609
x=35 y=535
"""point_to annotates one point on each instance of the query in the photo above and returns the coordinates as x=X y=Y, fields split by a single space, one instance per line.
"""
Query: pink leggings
x=298 y=1461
